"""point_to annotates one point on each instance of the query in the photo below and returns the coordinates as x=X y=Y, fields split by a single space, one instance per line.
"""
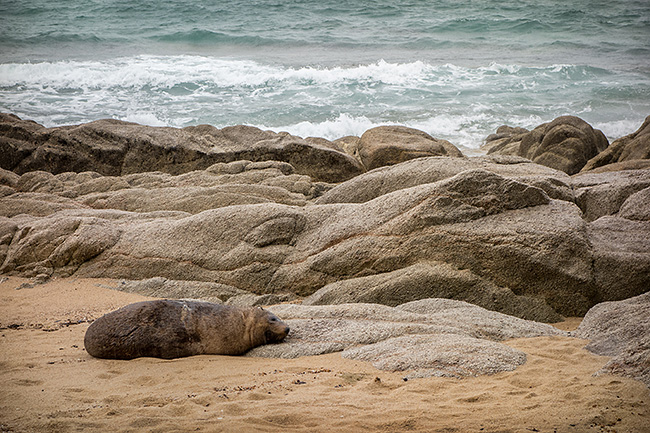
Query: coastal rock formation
x=601 y=194
x=160 y=287
x=113 y=148
x=505 y=141
x=620 y=254
x=384 y=180
x=566 y=144
x=526 y=245
x=498 y=231
x=432 y=280
x=637 y=206
x=41 y=193
x=429 y=337
x=633 y=147
x=388 y=145
x=621 y=330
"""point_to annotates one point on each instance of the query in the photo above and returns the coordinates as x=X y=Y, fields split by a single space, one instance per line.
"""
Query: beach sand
x=50 y=384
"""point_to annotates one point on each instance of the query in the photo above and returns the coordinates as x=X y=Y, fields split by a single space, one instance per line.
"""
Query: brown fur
x=173 y=329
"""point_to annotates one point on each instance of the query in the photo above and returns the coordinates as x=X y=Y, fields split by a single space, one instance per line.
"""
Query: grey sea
x=455 y=69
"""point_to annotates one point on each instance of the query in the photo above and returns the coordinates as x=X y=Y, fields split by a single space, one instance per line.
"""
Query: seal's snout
x=286 y=330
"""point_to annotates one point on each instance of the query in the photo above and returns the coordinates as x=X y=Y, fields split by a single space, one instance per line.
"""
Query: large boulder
x=632 y=164
x=621 y=330
x=388 y=145
x=636 y=206
x=112 y=147
x=602 y=194
x=633 y=147
x=565 y=144
x=505 y=141
x=384 y=180
x=430 y=337
x=432 y=280
x=621 y=257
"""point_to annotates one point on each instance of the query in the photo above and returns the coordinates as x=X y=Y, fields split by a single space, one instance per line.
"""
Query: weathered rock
x=8 y=178
x=8 y=229
x=19 y=139
x=479 y=229
x=242 y=182
x=388 y=145
x=420 y=171
x=113 y=147
x=432 y=280
x=351 y=145
x=431 y=337
x=621 y=330
x=600 y=194
x=252 y=300
x=565 y=144
x=635 y=146
x=37 y=204
x=633 y=164
x=621 y=257
x=637 y=206
x=439 y=355
x=190 y=199
x=159 y=287
x=506 y=141
x=508 y=234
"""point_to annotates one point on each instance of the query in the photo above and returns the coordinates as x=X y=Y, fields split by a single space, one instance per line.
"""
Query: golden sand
x=50 y=384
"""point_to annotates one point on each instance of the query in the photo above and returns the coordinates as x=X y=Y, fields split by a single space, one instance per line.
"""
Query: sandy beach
x=52 y=385
x=446 y=203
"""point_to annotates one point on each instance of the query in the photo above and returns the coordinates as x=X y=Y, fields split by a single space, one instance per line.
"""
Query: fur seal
x=173 y=329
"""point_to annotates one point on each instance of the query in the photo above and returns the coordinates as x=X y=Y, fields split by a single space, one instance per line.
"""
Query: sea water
x=456 y=69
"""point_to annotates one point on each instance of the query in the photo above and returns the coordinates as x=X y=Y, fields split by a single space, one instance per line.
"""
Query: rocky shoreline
x=549 y=223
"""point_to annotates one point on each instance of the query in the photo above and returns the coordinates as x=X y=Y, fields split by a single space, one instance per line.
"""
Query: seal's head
x=275 y=329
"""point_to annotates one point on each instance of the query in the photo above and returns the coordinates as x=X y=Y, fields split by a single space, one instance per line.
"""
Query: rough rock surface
x=206 y=291
x=505 y=141
x=633 y=164
x=499 y=231
x=620 y=256
x=429 y=337
x=432 y=280
x=113 y=148
x=566 y=144
x=41 y=193
x=637 y=206
x=621 y=330
x=388 y=145
x=506 y=240
x=160 y=287
x=384 y=180
x=633 y=147
x=601 y=194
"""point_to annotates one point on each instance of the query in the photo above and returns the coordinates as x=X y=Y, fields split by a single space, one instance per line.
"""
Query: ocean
x=455 y=69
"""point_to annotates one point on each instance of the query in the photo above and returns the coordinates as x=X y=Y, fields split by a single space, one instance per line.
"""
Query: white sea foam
x=457 y=103
x=143 y=118
x=170 y=71
x=618 y=128
x=466 y=131
x=341 y=126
